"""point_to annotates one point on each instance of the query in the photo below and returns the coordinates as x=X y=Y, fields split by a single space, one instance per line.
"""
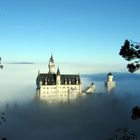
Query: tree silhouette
x=135 y=113
x=130 y=51
x=2 y=117
x=2 y=114
x=1 y=66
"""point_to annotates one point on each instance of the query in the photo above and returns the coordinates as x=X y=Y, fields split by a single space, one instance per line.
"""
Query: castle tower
x=51 y=65
x=109 y=77
x=58 y=77
x=110 y=84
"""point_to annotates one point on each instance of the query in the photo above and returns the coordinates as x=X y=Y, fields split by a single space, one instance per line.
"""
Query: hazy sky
x=81 y=31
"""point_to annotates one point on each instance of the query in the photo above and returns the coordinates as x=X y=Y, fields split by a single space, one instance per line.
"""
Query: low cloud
x=87 y=118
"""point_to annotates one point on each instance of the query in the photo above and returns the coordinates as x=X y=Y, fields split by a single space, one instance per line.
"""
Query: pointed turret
x=51 y=59
x=51 y=65
x=58 y=71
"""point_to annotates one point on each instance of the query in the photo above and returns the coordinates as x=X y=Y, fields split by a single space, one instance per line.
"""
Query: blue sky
x=75 y=31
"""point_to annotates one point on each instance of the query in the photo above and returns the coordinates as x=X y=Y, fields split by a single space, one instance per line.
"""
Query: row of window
x=59 y=87
x=63 y=83
x=53 y=100
x=58 y=92
x=54 y=92
x=53 y=96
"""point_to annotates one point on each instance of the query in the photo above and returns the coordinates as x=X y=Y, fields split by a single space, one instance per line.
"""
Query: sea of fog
x=88 y=118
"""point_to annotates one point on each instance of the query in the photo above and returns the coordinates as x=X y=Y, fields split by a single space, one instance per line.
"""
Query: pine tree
x=130 y=51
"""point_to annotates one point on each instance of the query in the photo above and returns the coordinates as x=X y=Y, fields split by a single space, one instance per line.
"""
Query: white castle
x=56 y=87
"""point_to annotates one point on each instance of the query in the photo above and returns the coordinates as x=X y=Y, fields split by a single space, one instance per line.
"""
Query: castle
x=56 y=87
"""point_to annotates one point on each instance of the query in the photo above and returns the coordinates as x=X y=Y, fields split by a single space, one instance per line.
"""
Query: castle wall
x=59 y=93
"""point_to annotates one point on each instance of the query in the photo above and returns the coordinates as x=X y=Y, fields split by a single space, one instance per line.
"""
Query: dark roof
x=109 y=74
x=50 y=79
x=58 y=71
x=92 y=84
x=70 y=79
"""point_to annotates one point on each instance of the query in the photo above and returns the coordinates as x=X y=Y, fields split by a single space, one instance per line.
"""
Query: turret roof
x=51 y=59
x=109 y=74
x=58 y=71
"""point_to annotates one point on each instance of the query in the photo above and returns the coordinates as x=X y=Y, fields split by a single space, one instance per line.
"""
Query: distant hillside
x=117 y=76
x=21 y=63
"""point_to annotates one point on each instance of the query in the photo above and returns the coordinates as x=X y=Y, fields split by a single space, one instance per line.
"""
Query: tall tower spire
x=51 y=65
x=51 y=58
